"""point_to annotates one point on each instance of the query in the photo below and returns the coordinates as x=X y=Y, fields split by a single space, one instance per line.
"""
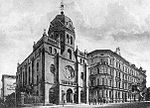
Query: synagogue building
x=55 y=72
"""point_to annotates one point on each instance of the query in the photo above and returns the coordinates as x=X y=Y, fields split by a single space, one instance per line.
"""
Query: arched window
x=29 y=74
x=69 y=54
x=67 y=38
x=52 y=36
x=97 y=70
x=71 y=40
x=37 y=66
x=55 y=51
x=82 y=75
x=50 y=49
x=80 y=60
x=68 y=96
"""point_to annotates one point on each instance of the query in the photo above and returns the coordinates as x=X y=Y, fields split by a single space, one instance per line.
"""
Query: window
x=119 y=74
x=56 y=36
x=123 y=85
x=110 y=94
x=67 y=38
x=97 y=70
x=55 y=51
x=69 y=54
x=82 y=75
x=29 y=74
x=52 y=36
x=97 y=81
x=83 y=61
x=119 y=84
x=50 y=49
x=71 y=40
x=106 y=82
x=110 y=83
x=103 y=81
x=80 y=60
x=37 y=79
x=37 y=92
x=118 y=94
x=37 y=66
x=92 y=82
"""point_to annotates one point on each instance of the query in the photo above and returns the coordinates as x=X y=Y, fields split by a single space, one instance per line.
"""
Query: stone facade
x=112 y=78
x=55 y=72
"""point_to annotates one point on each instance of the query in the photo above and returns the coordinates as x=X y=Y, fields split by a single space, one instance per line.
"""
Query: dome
x=62 y=21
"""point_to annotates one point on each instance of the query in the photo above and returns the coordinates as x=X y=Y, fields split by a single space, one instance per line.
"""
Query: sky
x=99 y=24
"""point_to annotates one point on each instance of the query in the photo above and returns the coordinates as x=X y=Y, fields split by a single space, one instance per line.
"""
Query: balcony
x=99 y=87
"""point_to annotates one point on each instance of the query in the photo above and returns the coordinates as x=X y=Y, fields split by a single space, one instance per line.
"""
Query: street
x=111 y=105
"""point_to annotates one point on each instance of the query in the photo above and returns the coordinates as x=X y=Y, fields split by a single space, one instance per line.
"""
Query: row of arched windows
x=26 y=76
x=52 y=50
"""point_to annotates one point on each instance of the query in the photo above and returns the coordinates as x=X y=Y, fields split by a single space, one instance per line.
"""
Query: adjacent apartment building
x=112 y=78
x=8 y=85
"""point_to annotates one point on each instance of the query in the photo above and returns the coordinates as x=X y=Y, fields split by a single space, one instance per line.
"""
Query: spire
x=62 y=7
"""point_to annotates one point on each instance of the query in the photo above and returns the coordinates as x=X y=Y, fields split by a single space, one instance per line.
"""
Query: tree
x=10 y=100
x=147 y=94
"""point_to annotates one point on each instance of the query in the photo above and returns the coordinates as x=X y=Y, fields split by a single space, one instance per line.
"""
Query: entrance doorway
x=69 y=96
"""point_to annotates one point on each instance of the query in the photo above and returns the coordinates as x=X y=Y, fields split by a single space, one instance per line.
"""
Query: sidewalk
x=81 y=105
x=72 y=106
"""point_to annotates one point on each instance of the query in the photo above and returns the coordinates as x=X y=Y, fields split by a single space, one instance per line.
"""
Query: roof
x=8 y=76
x=62 y=21
x=117 y=55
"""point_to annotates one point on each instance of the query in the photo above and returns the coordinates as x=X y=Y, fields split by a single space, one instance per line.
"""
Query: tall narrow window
x=71 y=40
x=25 y=74
x=97 y=70
x=103 y=81
x=55 y=51
x=110 y=83
x=50 y=49
x=69 y=54
x=37 y=79
x=67 y=38
x=106 y=82
x=23 y=77
x=37 y=66
x=98 y=81
x=29 y=75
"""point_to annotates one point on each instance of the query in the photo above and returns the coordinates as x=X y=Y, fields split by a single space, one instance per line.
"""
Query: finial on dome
x=62 y=7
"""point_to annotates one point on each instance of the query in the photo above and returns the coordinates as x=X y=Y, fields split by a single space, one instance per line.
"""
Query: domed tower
x=62 y=29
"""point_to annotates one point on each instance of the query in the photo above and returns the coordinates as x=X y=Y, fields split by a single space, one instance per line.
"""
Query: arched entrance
x=69 y=96
x=51 y=96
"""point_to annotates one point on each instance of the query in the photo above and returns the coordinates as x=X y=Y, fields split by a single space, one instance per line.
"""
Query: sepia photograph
x=75 y=53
